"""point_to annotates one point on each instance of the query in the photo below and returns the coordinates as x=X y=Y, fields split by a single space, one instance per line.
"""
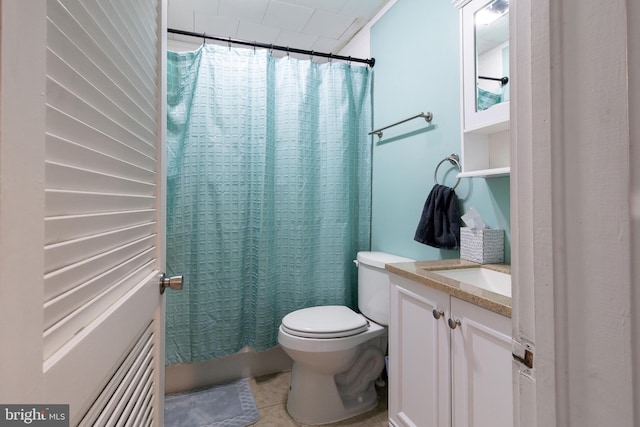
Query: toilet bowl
x=327 y=383
x=337 y=353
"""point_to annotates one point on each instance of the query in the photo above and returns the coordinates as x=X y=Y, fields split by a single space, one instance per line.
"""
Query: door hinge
x=522 y=353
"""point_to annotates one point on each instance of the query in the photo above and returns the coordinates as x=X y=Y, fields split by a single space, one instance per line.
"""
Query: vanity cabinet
x=484 y=32
x=449 y=360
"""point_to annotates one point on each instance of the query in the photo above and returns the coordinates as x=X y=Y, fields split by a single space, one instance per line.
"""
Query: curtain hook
x=204 y=39
x=330 y=57
x=288 y=52
x=311 y=56
x=349 y=62
x=229 y=43
x=271 y=49
x=254 y=46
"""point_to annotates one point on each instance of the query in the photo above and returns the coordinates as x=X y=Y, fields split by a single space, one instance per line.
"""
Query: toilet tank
x=373 y=284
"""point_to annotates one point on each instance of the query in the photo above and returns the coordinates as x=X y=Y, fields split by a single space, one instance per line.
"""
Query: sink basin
x=484 y=278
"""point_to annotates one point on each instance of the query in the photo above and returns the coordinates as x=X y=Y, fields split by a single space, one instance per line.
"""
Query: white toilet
x=337 y=353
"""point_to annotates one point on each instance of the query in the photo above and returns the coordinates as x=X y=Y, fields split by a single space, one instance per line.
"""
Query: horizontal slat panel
x=114 y=407
x=60 y=45
x=104 y=36
x=139 y=62
x=69 y=128
x=125 y=27
x=62 y=305
x=72 y=154
x=92 y=414
x=63 y=254
x=139 y=409
x=113 y=57
x=134 y=405
x=62 y=177
x=59 y=334
x=63 y=99
x=63 y=228
x=86 y=42
x=59 y=203
x=144 y=415
x=64 y=279
x=146 y=16
x=132 y=394
x=69 y=78
x=142 y=21
x=148 y=419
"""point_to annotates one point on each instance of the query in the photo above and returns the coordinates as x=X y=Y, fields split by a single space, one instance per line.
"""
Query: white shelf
x=486 y=173
x=498 y=126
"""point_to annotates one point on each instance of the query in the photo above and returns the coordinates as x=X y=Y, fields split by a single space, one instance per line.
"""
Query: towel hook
x=454 y=159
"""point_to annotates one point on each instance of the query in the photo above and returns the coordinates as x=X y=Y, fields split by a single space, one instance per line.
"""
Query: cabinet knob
x=454 y=323
x=438 y=313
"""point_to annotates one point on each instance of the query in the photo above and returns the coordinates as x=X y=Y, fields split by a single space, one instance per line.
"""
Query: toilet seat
x=329 y=321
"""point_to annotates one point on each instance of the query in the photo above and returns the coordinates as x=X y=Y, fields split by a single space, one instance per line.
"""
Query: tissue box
x=484 y=246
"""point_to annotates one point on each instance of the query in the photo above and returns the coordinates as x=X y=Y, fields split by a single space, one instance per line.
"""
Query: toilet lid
x=329 y=321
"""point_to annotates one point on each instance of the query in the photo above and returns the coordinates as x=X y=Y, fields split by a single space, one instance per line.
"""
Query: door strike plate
x=527 y=360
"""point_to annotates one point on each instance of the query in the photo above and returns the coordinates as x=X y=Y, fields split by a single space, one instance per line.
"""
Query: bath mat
x=226 y=405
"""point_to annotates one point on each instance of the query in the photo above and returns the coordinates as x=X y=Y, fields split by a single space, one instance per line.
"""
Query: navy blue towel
x=440 y=221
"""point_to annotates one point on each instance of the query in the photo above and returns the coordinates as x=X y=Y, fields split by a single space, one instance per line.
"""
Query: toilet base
x=314 y=398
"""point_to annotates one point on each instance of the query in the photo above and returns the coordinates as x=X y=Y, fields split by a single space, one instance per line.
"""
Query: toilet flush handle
x=355 y=261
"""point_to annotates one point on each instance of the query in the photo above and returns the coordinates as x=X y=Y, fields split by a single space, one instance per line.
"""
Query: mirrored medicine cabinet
x=485 y=81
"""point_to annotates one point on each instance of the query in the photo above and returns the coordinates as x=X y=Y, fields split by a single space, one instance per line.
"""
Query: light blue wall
x=417 y=50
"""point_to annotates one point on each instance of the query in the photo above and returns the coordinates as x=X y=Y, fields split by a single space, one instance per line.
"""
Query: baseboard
x=244 y=364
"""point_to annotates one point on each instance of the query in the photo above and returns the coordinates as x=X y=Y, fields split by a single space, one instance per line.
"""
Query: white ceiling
x=319 y=25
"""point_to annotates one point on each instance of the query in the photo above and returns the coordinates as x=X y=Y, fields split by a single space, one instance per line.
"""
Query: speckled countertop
x=421 y=272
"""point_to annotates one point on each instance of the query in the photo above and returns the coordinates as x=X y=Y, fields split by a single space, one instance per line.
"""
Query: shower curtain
x=268 y=194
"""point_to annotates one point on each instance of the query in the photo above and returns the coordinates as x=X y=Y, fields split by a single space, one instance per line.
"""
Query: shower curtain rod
x=371 y=62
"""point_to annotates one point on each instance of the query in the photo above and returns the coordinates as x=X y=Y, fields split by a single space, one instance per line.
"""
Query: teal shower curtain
x=268 y=194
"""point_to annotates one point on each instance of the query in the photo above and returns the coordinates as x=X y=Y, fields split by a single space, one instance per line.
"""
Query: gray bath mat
x=226 y=405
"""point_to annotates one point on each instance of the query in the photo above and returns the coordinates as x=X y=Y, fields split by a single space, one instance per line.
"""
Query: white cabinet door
x=481 y=367
x=419 y=377
x=81 y=213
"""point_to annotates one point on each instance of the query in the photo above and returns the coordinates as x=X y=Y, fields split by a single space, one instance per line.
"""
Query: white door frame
x=575 y=200
x=22 y=152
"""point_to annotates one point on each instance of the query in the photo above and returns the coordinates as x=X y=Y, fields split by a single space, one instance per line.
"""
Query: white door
x=81 y=207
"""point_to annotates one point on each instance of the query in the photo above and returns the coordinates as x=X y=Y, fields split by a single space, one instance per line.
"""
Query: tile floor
x=270 y=393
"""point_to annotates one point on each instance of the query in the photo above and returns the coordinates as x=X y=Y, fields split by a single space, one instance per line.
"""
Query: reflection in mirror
x=492 y=54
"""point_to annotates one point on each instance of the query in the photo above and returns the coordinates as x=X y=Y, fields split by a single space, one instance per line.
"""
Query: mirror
x=491 y=25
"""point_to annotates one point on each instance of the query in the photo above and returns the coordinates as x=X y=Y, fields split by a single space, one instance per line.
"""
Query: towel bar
x=454 y=159
x=427 y=116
